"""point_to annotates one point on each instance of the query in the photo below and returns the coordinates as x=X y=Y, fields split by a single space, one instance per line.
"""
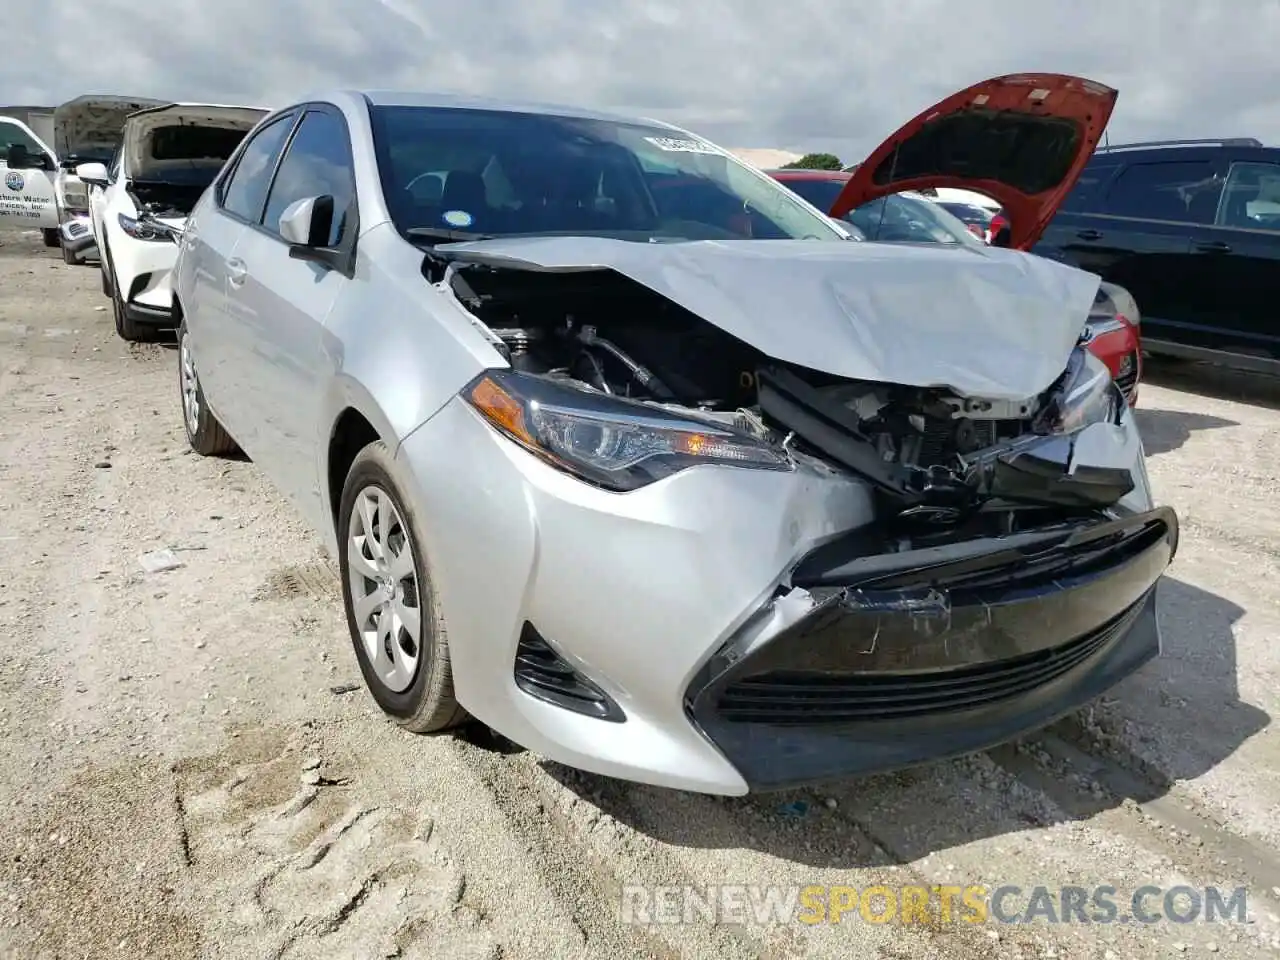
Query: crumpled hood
x=90 y=127
x=985 y=322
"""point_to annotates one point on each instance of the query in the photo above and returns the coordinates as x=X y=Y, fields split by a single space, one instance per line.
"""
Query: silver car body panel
x=675 y=568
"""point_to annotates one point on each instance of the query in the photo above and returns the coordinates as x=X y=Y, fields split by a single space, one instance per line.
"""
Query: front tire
x=205 y=434
x=126 y=328
x=396 y=627
x=50 y=236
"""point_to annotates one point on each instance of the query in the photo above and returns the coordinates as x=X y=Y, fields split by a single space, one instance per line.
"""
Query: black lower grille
x=542 y=673
x=799 y=698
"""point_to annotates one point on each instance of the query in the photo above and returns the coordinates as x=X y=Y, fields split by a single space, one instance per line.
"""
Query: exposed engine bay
x=155 y=198
x=931 y=455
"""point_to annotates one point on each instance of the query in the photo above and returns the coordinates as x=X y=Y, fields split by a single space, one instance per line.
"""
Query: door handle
x=236 y=271
x=1089 y=234
x=1213 y=246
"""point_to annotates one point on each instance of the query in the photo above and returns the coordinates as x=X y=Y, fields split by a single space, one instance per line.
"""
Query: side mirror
x=92 y=174
x=306 y=223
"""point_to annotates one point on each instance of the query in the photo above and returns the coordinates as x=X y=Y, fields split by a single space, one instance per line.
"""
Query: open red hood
x=1022 y=140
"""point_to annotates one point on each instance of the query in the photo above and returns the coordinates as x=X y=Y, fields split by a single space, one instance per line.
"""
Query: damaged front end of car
x=1005 y=575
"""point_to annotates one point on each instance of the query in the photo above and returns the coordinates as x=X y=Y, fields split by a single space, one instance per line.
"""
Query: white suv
x=168 y=156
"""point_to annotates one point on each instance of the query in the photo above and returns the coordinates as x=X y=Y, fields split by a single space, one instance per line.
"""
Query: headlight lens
x=613 y=443
x=75 y=199
x=142 y=229
x=1085 y=395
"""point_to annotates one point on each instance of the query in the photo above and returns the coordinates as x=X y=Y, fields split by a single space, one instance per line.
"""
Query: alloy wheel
x=384 y=588
x=190 y=387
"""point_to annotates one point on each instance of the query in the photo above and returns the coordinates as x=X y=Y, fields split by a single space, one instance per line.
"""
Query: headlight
x=75 y=199
x=1085 y=394
x=144 y=229
x=613 y=443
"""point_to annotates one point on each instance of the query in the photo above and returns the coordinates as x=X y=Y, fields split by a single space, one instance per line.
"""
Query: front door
x=27 y=166
x=278 y=307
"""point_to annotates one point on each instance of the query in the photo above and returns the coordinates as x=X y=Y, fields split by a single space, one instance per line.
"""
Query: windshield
x=499 y=173
x=901 y=218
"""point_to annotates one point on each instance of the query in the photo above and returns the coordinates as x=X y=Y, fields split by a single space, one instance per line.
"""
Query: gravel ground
x=189 y=769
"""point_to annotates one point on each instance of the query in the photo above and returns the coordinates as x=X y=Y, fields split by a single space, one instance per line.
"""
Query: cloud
x=801 y=75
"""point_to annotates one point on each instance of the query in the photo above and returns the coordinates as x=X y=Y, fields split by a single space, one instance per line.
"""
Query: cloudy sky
x=800 y=75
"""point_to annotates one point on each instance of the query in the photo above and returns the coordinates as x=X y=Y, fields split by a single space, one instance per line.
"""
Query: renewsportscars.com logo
x=745 y=904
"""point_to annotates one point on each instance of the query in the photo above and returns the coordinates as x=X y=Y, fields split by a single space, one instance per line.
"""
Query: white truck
x=29 y=166
x=42 y=191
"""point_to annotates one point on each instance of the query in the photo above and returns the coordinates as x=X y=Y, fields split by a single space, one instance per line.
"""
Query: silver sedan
x=629 y=453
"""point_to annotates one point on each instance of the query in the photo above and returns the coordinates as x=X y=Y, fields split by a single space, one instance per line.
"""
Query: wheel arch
x=355 y=421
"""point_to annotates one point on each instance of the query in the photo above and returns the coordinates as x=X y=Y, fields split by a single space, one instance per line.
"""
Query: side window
x=1085 y=195
x=246 y=190
x=1182 y=190
x=1251 y=199
x=113 y=170
x=12 y=135
x=317 y=163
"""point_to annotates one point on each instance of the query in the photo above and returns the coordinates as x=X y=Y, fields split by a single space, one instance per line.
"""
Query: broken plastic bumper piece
x=909 y=657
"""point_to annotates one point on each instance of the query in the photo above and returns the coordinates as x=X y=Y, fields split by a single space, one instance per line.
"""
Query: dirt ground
x=188 y=767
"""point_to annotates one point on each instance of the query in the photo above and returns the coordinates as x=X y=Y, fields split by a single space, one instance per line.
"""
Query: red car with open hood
x=1022 y=140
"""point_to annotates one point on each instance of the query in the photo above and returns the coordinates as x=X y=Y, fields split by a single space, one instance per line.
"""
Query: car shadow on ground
x=1212 y=380
x=1176 y=719
x=1164 y=431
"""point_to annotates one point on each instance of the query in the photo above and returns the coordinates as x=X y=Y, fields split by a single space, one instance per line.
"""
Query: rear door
x=27 y=198
x=1136 y=230
x=210 y=248
x=1236 y=266
x=278 y=306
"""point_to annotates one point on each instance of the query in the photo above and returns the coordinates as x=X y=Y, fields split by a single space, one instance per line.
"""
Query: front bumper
x=1117 y=345
x=77 y=237
x=144 y=273
x=914 y=657
x=666 y=597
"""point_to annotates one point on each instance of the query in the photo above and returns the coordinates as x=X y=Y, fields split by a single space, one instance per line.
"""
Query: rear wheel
x=396 y=627
x=205 y=434
x=51 y=238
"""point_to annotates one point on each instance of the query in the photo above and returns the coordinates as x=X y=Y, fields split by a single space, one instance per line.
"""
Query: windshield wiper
x=441 y=233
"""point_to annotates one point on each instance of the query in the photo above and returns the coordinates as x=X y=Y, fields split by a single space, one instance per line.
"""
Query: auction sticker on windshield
x=676 y=145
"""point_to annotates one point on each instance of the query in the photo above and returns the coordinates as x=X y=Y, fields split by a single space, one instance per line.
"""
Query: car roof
x=1240 y=149
x=460 y=101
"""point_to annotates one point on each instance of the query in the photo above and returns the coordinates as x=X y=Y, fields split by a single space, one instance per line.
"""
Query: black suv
x=1192 y=229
